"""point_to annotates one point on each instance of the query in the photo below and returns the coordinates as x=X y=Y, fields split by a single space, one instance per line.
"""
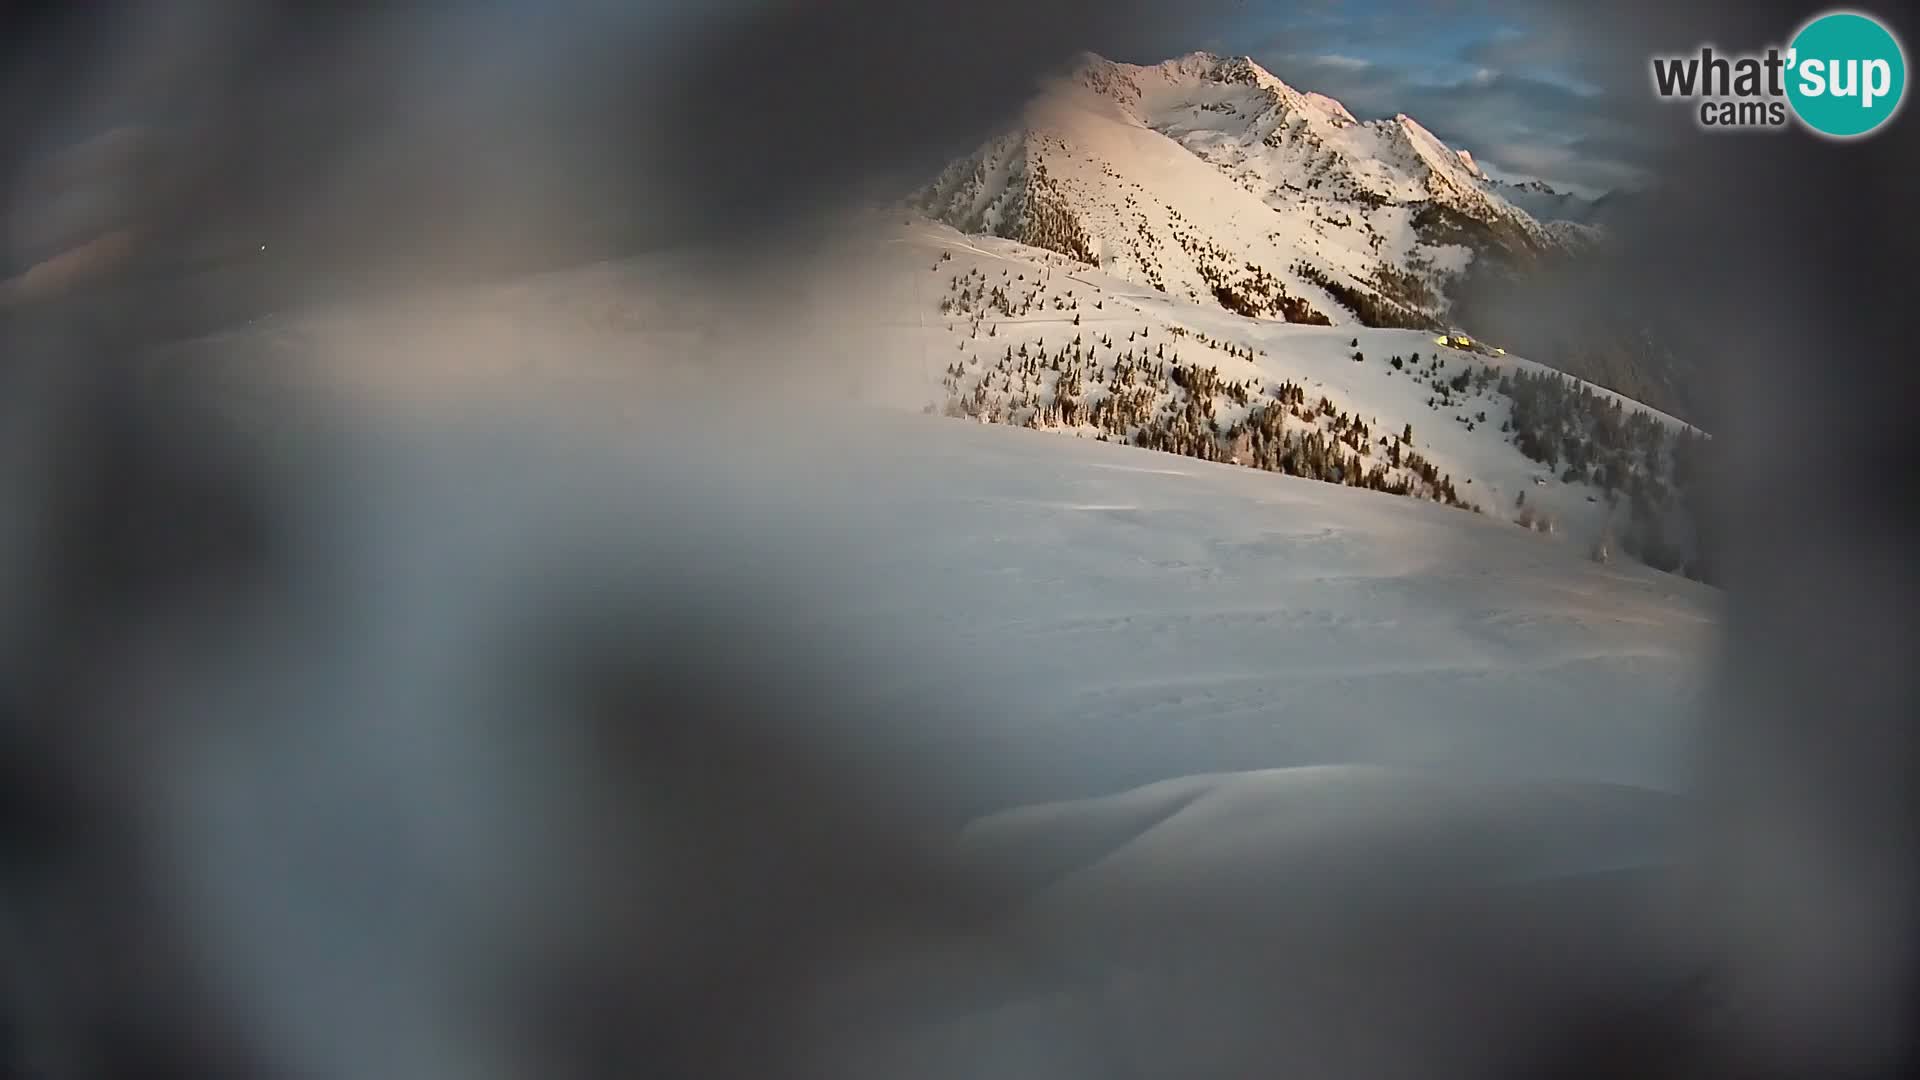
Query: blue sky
x=1525 y=91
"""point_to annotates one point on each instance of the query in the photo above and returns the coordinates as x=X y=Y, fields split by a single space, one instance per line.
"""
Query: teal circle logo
x=1846 y=74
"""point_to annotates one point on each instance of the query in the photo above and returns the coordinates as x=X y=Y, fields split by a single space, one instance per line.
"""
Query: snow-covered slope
x=1338 y=922
x=1209 y=178
x=1105 y=616
x=1504 y=435
x=920 y=316
x=1411 y=771
x=1063 y=619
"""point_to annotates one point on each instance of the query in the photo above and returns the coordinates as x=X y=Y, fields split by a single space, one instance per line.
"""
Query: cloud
x=1541 y=128
x=1501 y=96
x=1555 y=163
x=1560 y=51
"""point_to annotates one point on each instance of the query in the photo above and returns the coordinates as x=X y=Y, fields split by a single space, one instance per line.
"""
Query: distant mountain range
x=1545 y=202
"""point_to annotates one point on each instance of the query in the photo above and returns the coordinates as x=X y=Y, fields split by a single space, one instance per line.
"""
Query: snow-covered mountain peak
x=1201 y=77
x=1439 y=170
x=1106 y=78
x=1211 y=67
x=1212 y=179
